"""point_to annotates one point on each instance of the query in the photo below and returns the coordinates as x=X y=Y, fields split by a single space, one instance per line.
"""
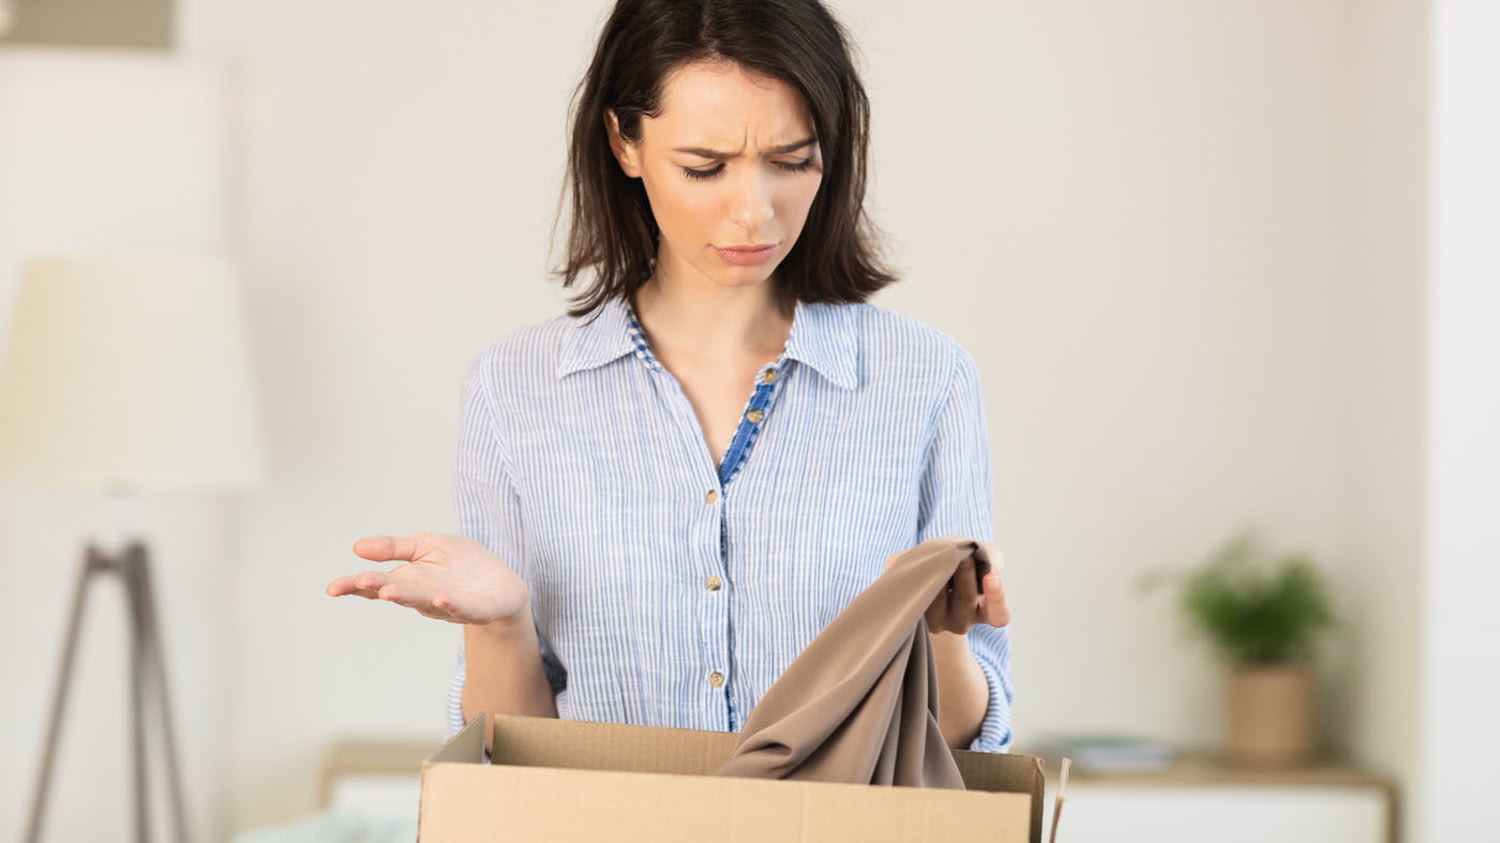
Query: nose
x=752 y=199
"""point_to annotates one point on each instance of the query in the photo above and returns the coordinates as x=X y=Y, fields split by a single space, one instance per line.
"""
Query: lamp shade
x=129 y=372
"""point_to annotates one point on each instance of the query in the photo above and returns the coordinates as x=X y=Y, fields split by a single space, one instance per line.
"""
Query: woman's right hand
x=447 y=577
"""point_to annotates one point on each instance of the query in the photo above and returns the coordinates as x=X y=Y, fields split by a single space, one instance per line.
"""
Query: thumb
x=387 y=548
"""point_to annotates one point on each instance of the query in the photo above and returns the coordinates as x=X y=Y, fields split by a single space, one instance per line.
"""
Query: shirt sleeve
x=958 y=500
x=489 y=511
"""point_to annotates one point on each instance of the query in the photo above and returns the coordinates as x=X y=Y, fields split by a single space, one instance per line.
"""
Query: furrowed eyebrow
x=710 y=153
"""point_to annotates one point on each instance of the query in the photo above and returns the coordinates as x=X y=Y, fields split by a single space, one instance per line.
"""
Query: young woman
x=668 y=492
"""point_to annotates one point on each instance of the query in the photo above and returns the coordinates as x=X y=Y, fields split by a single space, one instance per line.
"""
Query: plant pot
x=1272 y=714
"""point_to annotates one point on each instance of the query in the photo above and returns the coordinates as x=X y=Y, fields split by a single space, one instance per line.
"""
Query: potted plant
x=1264 y=619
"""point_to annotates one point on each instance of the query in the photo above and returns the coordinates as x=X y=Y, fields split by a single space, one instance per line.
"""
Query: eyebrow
x=710 y=153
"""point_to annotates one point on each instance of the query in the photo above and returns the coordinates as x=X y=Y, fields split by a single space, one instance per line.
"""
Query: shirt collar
x=596 y=338
x=823 y=336
x=826 y=337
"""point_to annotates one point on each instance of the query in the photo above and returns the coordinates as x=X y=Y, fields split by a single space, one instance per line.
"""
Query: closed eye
x=703 y=175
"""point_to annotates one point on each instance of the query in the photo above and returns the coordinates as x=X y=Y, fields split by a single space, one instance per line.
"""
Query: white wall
x=1383 y=576
x=1461 y=644
x=1142 y=219
x=1140 y=246
x=398 y=173
x=109 y=151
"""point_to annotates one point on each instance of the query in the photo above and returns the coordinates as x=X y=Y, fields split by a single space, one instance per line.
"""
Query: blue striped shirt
x=669 y=591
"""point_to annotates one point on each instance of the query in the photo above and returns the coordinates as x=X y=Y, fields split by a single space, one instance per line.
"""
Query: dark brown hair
x=613 y=231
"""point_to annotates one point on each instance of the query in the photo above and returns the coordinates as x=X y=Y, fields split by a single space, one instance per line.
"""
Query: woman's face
x=731 y=162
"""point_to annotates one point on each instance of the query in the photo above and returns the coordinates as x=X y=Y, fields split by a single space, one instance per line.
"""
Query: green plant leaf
x=1255 y=613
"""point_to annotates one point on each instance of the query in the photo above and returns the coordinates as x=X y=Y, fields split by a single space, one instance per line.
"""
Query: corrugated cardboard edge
x=531 y=741
x=1013 y=774
x=584 y=745
x=466 y=747
x=507 y=803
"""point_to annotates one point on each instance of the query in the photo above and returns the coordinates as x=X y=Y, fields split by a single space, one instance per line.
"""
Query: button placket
x=757 y=411
x=714 y=612
x=715 y=624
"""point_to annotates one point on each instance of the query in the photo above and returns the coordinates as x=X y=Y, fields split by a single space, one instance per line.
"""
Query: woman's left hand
x=962 y=605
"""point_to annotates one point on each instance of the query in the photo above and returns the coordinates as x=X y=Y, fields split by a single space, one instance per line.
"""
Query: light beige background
x=1183 y=240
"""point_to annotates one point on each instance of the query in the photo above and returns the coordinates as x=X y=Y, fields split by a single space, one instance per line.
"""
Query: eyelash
x=704 y=175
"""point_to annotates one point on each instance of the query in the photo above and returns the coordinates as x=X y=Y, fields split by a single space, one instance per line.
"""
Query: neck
x=712 y=322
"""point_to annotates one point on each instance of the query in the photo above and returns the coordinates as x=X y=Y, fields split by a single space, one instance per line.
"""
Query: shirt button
x=755 y=416
x=713 y=495
x=716 y=679
x=714 y=583
x=768 y=375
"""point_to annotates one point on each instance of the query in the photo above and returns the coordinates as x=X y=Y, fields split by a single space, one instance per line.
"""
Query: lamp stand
x=147 y=677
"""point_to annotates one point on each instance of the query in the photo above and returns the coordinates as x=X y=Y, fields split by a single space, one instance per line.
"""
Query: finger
x=375 y=548
x=431 y=608
x=996 y=606
x=440 y=610
x=997 y=559
x=389 y=548
x=345 y=586
x=966 y=592
x=406 y=594
x=459 y=607
x=455 y=607
x=365 y=584
x=370 y=580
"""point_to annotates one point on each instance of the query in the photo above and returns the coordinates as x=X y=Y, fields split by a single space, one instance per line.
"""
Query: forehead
x=721 y=103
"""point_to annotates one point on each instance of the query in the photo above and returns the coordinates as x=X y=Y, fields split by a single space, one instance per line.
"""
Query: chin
x=745 y=278
x=740 y=276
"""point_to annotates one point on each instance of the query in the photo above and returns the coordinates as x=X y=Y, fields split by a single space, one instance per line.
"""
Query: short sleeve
x=957 y=499
x=489 y=510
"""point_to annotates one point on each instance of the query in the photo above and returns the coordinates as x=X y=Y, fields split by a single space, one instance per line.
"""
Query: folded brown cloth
x=860 y=704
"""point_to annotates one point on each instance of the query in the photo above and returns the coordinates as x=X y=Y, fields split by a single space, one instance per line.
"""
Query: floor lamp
x=127 y=373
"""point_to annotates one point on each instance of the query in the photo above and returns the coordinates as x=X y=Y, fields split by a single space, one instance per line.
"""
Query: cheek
x=678 y=206
x=796 y=199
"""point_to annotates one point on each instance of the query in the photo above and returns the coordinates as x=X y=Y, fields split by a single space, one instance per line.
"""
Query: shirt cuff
x=994 y=730
x=456 y=695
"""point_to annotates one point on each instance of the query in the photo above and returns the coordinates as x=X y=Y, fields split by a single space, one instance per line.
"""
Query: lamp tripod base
x=148 y=688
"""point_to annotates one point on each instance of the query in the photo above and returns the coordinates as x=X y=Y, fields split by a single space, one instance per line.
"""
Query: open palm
x=447 y=577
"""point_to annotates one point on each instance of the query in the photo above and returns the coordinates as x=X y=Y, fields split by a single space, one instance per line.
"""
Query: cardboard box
x=560 y=781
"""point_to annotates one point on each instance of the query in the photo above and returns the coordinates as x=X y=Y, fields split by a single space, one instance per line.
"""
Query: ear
x=627 y=153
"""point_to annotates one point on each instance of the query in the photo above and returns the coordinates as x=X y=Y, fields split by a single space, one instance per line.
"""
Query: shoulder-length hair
x=613 y=231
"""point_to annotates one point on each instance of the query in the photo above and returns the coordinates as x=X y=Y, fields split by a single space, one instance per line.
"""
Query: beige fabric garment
x=860 y=704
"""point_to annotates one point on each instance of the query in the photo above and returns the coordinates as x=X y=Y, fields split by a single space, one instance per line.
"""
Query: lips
x=745 y=255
